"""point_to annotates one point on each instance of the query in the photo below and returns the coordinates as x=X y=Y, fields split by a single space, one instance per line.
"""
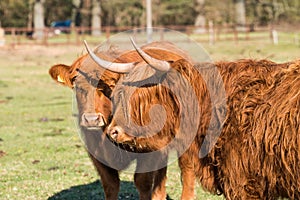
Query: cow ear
x=62 y=74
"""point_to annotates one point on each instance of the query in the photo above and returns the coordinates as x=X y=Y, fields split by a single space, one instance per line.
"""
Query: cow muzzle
x=117 y=134
x=92 y=120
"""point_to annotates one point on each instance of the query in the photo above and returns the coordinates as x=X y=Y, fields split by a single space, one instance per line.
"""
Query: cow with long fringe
x=256 y=154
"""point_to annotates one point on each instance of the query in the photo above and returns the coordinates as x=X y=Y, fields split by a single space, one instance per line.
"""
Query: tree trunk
x=30 y=16
x=200 y=21
x=240 y=14
x=96 y=18
x=149 y=20
x=77 y=6
x=38 y=19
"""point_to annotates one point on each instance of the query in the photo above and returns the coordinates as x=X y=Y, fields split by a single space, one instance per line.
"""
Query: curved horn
x=159 y=65
x=114 y=67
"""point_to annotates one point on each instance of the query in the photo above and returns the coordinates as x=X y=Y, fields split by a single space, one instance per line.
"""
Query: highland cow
x=256 y=154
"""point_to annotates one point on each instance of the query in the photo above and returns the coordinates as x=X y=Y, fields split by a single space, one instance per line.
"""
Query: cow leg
x=144 y=183
x=188 y=176
x=159 y=186
x=109 y=179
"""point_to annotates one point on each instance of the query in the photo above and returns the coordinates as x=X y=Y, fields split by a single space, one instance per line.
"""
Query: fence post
x=236 y=35
x=247 y=31
x=107 y=30
x=274 y=36
x=2 y=38
x=68 y=35
x=45 y=36
x=161 y=34
x=211 y=33
x=14 y=39
x=77 y=35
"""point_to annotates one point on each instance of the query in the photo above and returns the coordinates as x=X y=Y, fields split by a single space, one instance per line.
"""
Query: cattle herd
x=235 y=126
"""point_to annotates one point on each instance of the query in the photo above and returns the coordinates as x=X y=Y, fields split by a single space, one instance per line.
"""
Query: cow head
x=93 y=86
x=146 y=110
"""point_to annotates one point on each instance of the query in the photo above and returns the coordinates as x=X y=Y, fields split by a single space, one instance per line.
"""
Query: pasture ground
x=41 y=155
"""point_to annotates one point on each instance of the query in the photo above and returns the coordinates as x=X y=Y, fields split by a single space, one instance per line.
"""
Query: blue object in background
x=61 y=26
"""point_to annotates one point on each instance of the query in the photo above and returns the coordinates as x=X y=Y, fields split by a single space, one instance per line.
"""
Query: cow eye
x=73 y=79
x=111 y=87
x=105 y=91
x=101 y=90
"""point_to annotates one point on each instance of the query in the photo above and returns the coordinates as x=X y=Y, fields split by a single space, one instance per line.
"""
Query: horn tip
x=87 y=46
x=133 y=42
x=85 y=43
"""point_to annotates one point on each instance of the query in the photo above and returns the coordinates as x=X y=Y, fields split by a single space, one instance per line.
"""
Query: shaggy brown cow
x=257 y=154
x=263 y=127
x=93 y=86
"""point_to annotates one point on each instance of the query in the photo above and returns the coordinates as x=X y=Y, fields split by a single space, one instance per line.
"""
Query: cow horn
x=159 y=65
x=112 y=66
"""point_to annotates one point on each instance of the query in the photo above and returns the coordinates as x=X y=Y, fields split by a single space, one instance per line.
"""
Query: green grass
x=41 y=155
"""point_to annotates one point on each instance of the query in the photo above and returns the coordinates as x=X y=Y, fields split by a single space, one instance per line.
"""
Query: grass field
x=41 y=155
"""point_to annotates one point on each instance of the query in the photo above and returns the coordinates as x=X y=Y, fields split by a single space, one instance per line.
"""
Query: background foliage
x=17 y=13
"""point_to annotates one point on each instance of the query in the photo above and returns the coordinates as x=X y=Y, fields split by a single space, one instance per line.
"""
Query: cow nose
x=118 y=134
x=113 y=132
x=92 y=120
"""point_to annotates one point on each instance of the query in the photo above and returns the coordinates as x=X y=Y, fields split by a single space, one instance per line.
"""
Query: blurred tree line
x=20 y=13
